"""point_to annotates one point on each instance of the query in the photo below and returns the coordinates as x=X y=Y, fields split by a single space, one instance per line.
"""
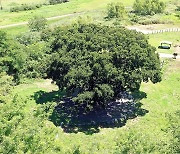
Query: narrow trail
x=49 y=19
x=145 y=31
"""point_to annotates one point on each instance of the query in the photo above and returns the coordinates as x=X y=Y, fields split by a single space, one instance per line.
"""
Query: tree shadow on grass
x=73 y=117
x=42 y=97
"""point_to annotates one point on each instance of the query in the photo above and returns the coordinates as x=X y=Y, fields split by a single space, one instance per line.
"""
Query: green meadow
x=143 y=134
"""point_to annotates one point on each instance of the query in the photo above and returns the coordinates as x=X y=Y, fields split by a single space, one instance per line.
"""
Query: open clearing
x=155 y=39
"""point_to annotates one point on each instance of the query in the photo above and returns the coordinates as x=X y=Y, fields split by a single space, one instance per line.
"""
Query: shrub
x=37 y=23
x=25 y=7
x=148 y=7
x=26 y=130
x=28 y=38
x=116 y=10
x=53 y=2
x=6 y=84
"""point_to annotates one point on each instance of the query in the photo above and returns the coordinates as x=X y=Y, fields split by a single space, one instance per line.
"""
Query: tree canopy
x=93 y=63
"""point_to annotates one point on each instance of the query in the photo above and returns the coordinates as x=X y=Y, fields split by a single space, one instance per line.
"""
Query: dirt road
x=49 y=19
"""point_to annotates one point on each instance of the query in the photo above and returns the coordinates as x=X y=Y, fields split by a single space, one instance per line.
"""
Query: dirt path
x=165 y=55
x=49 y=19
x=145 y=30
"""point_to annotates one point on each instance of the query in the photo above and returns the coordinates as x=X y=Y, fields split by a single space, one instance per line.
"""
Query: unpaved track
x=145 y=31
x=165 y=55
x=50 y=18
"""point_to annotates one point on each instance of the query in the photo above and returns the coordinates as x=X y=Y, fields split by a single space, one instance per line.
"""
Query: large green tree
x=94 y=63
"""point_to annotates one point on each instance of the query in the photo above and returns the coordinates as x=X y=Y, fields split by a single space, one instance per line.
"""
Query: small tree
x=148 y=7
x=116 y=10
x=37 y=23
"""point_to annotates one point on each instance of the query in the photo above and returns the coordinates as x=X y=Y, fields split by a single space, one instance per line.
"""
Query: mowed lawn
x=148 y=131
x=155 y=39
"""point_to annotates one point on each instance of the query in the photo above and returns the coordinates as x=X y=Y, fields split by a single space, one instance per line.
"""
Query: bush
x=37 y=23
x=53 y=2
x=26 y=130
x=151 y=21
x=148 y=7
x=178 y=8
x=116 y=10
x=25 y=7
x=6 y=84
x=28 y=38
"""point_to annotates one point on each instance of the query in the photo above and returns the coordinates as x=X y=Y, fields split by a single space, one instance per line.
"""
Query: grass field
x=155 y=39
x=139 y=133
x=56 y=10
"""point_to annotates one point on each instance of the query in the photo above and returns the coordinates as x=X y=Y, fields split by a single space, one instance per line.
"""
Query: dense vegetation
x=148 y=7
x=98 y=62
x=90 y=64
x=24 y=126
x=53 y=2
x=37 y=23
x=116 y=10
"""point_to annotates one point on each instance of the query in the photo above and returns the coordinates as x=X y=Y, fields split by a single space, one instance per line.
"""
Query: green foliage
x=116 y=10
x=24 y=58
x=6 y=49
x=94 y=63
x=178 y=8
x=3 y=41
x=25 y=7
x=37 y=23
x=53 y=2
x=26 y=130
x=148 y=7
x=6 y=84
x=178 y=12
x=35 y=61
x=174 y=129
x=28 y=38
